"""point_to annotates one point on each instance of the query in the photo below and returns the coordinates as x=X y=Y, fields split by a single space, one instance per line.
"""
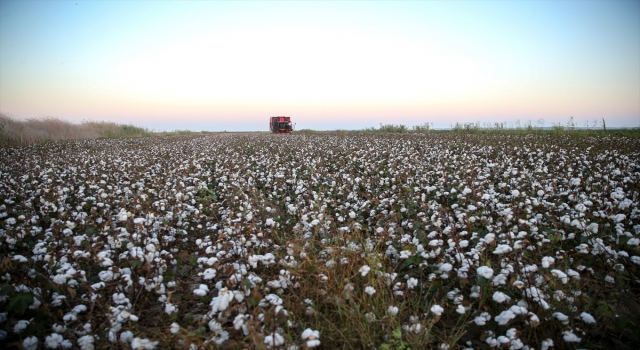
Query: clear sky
x=215 y=65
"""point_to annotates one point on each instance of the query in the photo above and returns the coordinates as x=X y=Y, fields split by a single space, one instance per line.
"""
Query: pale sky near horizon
x=223 y=65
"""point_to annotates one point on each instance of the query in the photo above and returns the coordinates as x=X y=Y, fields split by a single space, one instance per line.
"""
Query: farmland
x=387 y=241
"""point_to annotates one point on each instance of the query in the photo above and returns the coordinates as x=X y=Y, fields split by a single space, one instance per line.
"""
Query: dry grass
x=38 y=130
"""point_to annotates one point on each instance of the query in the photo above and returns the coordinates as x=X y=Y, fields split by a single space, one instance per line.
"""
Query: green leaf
x=19 y=302
x=134 y=263
x=413 y=260
x=397 y=333
x=90 y=230
x=192 y=260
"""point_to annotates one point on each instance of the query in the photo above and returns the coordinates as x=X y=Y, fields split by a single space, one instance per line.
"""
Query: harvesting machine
x=280 y=125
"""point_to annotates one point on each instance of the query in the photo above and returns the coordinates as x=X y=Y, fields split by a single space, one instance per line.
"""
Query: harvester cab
x=280 y=125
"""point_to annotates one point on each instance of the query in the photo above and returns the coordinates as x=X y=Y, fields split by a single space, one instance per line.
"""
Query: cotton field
x=330 y=240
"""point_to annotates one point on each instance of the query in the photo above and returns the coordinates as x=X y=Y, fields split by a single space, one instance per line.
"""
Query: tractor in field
x=280 y=125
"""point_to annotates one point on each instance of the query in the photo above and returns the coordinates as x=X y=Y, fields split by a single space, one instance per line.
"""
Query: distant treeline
x=38 y=130
x=598 y=128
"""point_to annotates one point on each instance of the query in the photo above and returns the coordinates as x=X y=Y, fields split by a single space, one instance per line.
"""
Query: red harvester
x=280 y=125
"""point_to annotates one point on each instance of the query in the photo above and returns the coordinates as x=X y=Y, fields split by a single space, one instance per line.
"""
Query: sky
x=223 y=65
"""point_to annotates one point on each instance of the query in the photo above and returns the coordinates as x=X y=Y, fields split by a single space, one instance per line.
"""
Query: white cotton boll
x=202 y=290
x=570 y=337
x=499 y=280
x=502 y=249
x=53 y=341
x=79 y=308
x=437 y=310
x=273 y=340
x=412 y=283
x=126 y=337
x=364 y=270
x=485 y=271
x=175 y=328
x=311 y=337
x=370 y=290
x=30 y=343
x=480 y=321
x=392 y=310
x=573 y=274
x=170 y=308
x=238 y=322
x=587 y=318
x=561 y=275
x=515 y=193
x=222 y=301
x=446 y=267
x=208 y=274
x=561 y=317
x=500 y=297
x=547 y=261
x=505 y=317
x=20 y=326
x=20 y=258
x=633 y=241
x=461 y=309
x=215 y=326
x=60 y=279
x=489 y=238
x=269 y=222
x=352 y=215
x=86 y=342
x=140 y=343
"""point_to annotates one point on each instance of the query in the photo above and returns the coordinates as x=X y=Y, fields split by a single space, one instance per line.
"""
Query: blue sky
x=215 y=65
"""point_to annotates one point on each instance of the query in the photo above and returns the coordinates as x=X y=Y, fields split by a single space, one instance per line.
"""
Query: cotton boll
x=273 y=340
x=126 y=337
x=222 y=301
x=86 y=342
x=485 y=271
x=30 y=343
x=370 y=290
x=20 y=326
x=489 y=238
x=437 y=310
x=446 y=267
x=547 y=261
x=311 y=337
x=587 y=318
x=500 y=297
x=392 y=310
x=570 y=337
x=561 y=275
x=170 y=308
x=505 y=317
x=561 y=317
x=53 y=341
x=208 y=274
x=502 y=249
x=141 y=343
